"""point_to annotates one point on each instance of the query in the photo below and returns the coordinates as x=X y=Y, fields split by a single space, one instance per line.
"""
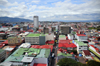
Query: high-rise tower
x=36 y=22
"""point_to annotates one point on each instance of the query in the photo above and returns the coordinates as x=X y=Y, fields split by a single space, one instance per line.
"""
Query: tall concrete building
x=36 y=22
x=65 y=29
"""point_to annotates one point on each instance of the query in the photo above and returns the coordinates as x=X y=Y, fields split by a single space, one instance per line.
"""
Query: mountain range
x=9 y=19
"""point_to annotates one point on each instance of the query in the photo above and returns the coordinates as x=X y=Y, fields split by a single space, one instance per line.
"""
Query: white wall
x=41 y=60
x=36 y=23
x=49 y=37
x=70 y=36
x=32 y=63
x=82 y=38
x=82 y=48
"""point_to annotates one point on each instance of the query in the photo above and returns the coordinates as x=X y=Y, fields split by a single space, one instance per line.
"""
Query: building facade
x=36 y=22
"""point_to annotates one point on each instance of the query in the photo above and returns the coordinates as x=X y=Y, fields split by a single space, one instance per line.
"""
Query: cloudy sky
x=51 y=9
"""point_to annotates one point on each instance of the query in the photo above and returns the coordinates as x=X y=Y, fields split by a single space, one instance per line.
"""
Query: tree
x=67 y=62
x=93 y=63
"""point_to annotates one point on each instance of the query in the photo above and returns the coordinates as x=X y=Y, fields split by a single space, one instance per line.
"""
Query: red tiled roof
x=81 y=35
x=35 y=46
x=5 y=42
x=36 y=64
x=50 y=42
x=66 y=43
x=72 y=45
x=1 y=45
x=94 y=47
x=86 y=52
x=30 y=30
x=2 y=32
x=42 y=46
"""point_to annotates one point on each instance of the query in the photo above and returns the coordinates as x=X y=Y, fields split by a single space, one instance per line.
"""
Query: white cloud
x=60 y=10
x=33 y=7
x=3 y=2
x=36 y=1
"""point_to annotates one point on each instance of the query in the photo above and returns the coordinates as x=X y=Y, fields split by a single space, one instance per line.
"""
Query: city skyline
x=51 y=9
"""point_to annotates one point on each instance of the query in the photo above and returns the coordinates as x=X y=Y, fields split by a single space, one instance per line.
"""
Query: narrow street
x=54 y=51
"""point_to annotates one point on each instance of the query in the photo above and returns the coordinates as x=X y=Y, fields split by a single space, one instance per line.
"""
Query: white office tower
x=36 y=22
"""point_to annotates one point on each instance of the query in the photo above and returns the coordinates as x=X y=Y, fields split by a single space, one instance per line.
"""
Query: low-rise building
x=14 y=40
x=35 y=39
x=86 y=54
x=62 y=37
x=8 y=49
x=29 y=56
x=70 y=36
x=25 y=45
x=95 y=50
x=49 y=37
x=23 y=34
x=2 y=55
x=80 y=46
x=81 y=37
x=65 y=29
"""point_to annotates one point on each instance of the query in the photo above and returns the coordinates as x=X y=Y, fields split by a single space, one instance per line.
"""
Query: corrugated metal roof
x=9 y=48
x=86 y=52
x=27 y=59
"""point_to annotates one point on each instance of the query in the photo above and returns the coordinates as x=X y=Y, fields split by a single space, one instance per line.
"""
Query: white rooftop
x=6 y=64
x=25 y=45
x=27 y=59
x=9 y=49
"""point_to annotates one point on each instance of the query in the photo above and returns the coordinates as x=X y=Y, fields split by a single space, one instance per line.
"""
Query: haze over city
x=51 y=9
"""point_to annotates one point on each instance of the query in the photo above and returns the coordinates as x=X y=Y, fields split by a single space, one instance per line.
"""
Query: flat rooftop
x=62 y=36
x=80 y=43
x=34 y=35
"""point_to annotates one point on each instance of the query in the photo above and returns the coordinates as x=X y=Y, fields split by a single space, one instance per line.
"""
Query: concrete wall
x=36 y=23
x=49 y=37
x=70 y=36
x=32 y=63
x=41 y=60
x=82 y=38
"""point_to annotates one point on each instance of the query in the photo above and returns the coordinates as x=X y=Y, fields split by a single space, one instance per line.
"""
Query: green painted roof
x=35 y=35
x=30 y=51
x=70 y=34
x=62 y=36
x=80 y=43
x=20 y=53
x=42 y=35
x=44 y=53
x=47 y=53
x=64 y=54
x=14 y=58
